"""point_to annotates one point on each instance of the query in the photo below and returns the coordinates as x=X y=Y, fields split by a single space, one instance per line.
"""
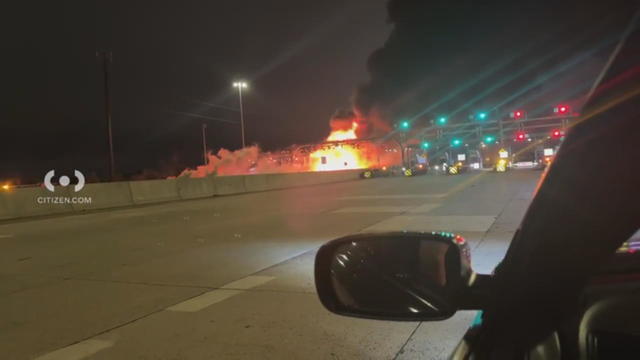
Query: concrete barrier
x=280 y=181
x=104 y=196
x=229 y=185
x=256 y=183
x=26 y=202
x=194 y=188
x=34 y=201
x=152 y=191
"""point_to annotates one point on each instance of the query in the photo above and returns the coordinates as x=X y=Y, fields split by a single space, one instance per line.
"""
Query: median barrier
x=37 y=201
x=194 y=188
x=103 y=196
x=256 y=183
x=279 y=181
x=229 y=185
x=34 y=201
x=152 y=191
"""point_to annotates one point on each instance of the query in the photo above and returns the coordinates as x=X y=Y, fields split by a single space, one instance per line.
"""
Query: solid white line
x=402 y=196
x=205 y=300
x=77 y=351
x=248 y=282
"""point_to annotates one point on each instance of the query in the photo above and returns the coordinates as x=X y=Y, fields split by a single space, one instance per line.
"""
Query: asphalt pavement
x=232 y=277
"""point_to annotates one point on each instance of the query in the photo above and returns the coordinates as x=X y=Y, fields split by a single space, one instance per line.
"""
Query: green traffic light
x=405 y=124
x=456 y=142
x=442 y=120
x=489 y=139
x=482 y=115
x=425 y=145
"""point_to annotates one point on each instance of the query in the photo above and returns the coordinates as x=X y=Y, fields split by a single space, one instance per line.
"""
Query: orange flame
x=340 y=135
x=340 y=156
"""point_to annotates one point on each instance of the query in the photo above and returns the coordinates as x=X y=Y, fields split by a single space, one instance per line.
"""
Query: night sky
x=303 y=60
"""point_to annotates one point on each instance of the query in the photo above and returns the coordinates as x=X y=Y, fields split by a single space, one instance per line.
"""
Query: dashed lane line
x=77 y=351
x=215 y=296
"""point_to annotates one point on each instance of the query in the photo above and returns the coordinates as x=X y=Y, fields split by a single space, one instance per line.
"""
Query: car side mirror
x=397 y=276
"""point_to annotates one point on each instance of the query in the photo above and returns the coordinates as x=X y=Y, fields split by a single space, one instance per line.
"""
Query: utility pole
x=106 y=61
x=204 y=144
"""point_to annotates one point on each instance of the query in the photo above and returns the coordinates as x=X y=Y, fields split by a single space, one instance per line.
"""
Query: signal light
x=405 y=125
x=518 y=114
x=481 y=115
x=425 y=145
x=489 y=139
x=520 y=136
x=557 y=134
x=561 y=109
x=442 y=120
x=456 y=142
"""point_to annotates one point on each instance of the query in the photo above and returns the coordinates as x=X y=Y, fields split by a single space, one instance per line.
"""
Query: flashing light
x=442 y=120
x=456 y=142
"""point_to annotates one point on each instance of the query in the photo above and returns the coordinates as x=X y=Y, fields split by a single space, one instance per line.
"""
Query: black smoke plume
x=458 y=56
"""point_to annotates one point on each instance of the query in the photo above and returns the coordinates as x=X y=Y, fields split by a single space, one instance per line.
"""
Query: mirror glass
x=405 y=276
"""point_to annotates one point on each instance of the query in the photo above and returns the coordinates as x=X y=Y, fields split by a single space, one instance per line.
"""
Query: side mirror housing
x=408 y=276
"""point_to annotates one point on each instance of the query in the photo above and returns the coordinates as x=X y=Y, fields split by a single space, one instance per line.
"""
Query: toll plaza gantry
x=490 y=131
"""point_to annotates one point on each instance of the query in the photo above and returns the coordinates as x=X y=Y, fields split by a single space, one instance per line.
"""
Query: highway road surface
x=231 y=277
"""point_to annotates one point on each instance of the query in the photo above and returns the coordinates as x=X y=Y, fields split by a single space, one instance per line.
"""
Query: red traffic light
x=518 y=114
x=520 y=136
x=561 y=109
x=556 y=134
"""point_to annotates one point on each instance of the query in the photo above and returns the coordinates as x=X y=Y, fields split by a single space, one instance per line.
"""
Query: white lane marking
x=452 y=223
x=215 y=296
x=402 y=196
x=248 y=282
x=205 y=300
x=5 y=236
x=373 y=209
x=423 y=208
x=77 y=351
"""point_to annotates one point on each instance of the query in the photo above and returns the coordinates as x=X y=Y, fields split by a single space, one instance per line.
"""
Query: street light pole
x=241 y=85
x=106 y=60
x=204 y=144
